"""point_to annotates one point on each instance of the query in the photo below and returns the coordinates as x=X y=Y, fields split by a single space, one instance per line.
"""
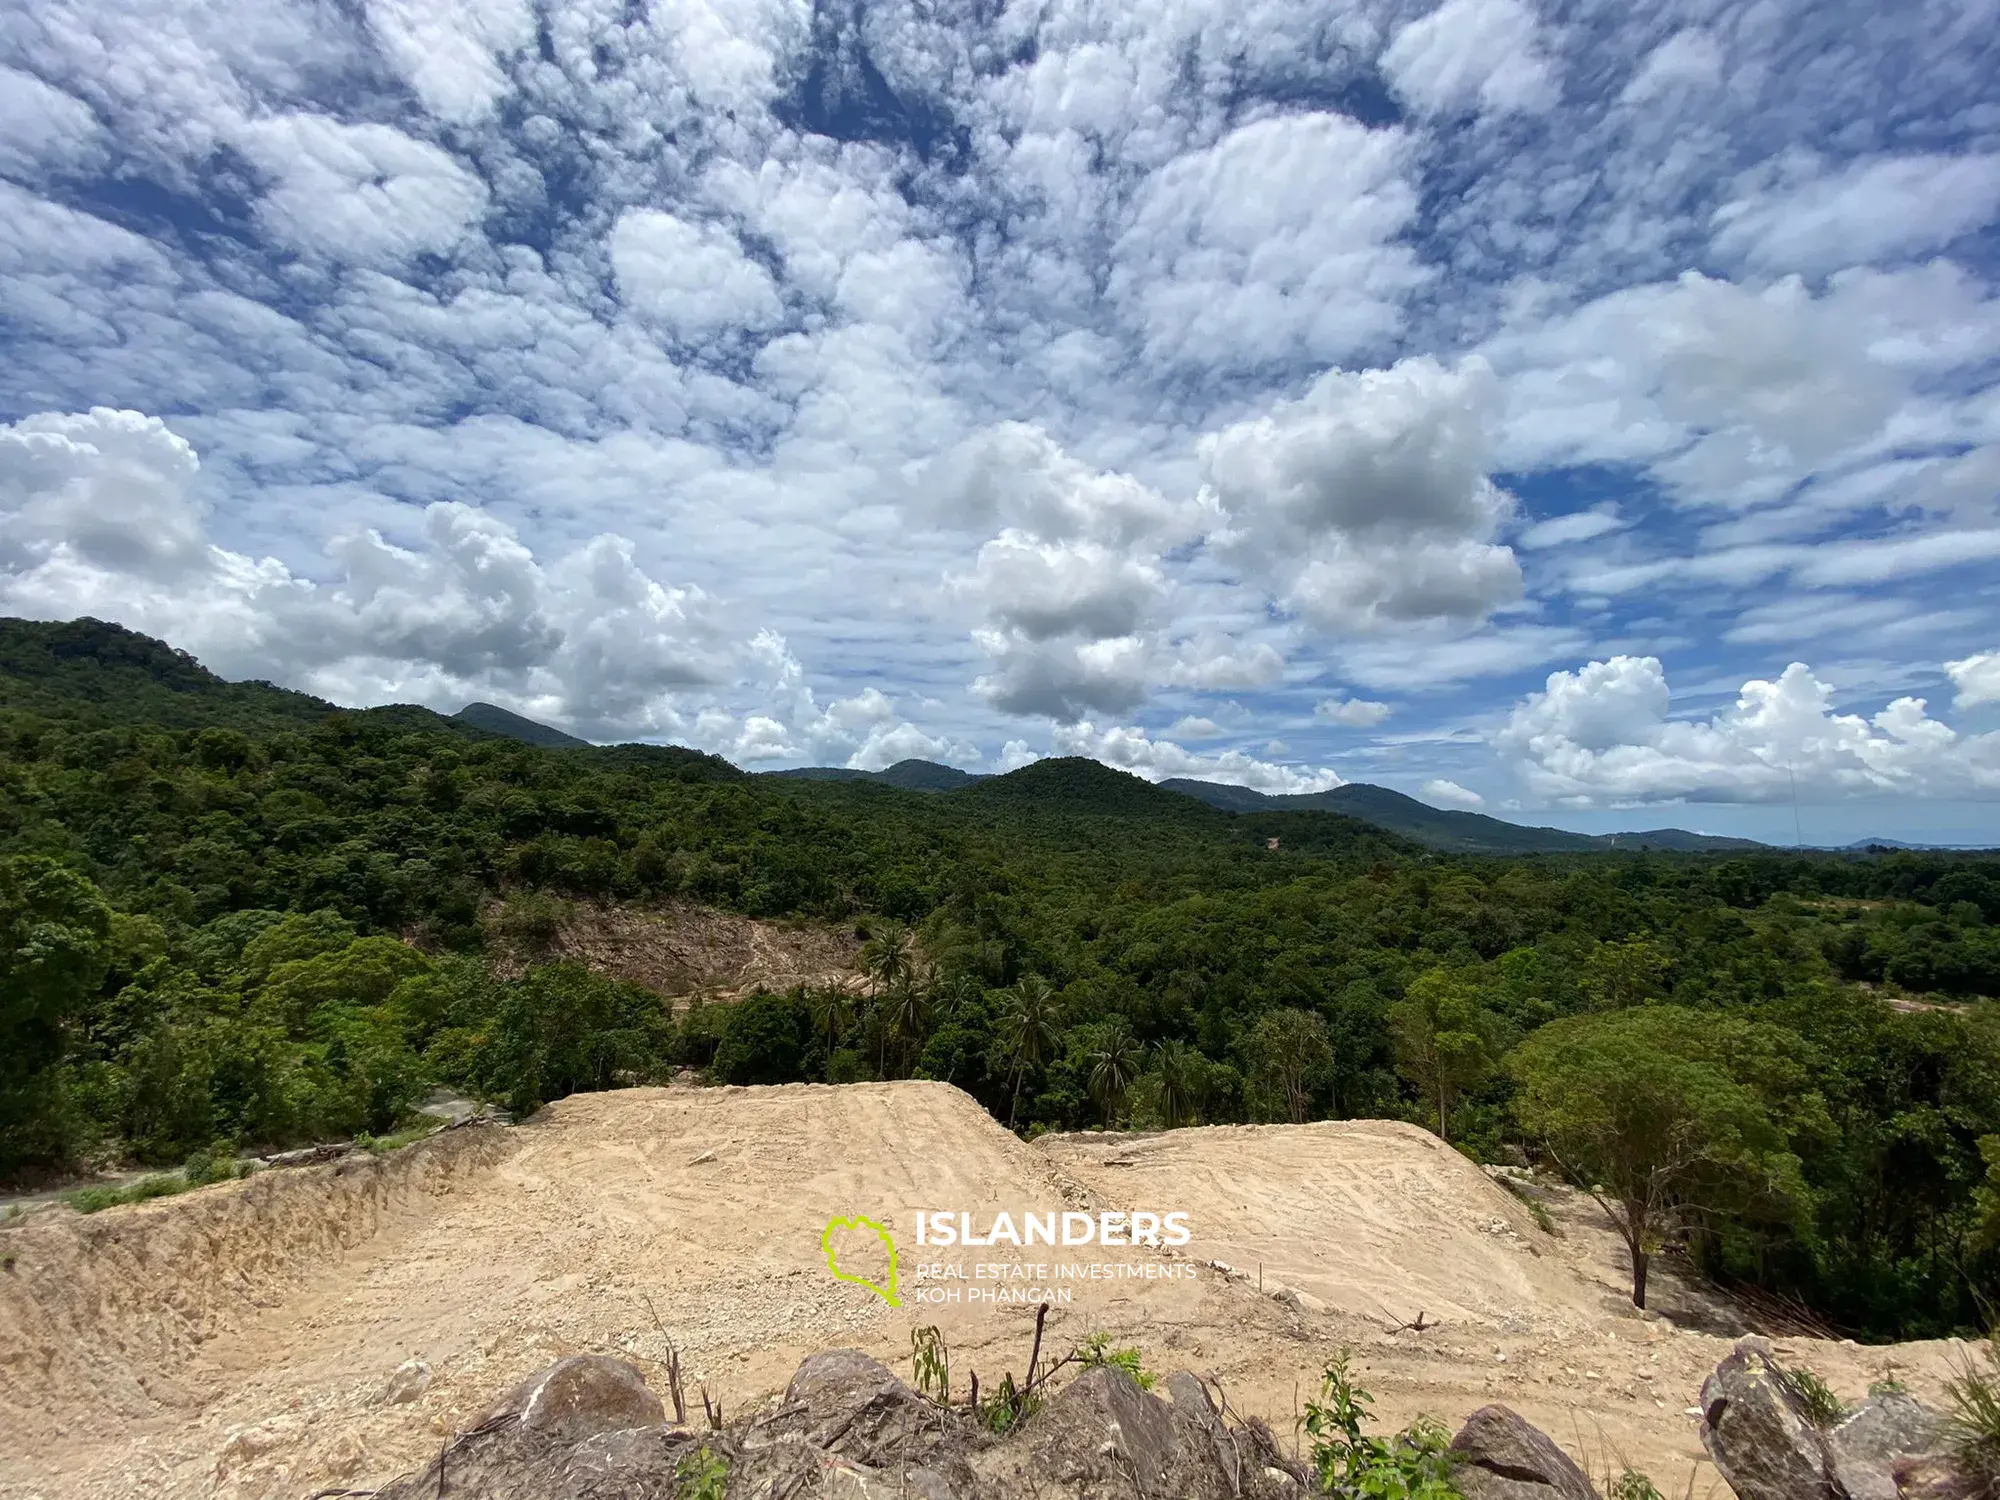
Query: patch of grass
x=159 y=1185
x=381 y=1145
x=1533 y=1205
x=1974 y=1390
x=1096 y=1351
x=1888 y=1385
x=1815 y=1395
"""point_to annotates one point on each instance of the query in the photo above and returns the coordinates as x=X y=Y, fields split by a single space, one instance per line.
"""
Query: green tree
x=1029 y=1027
x=1114 y=1066
x=1178 y=1076
x=1444 y=1039
x=1616 y=975
x=1292 y=1054
x=55 y=934
x=1641 y=1110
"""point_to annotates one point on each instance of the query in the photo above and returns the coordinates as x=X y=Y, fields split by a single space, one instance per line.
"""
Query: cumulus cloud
x=1977 y=679
x=1603 y=734
x=691 y=279
x=1367 y=501
x=366 y=194
x=1351 y=713
x=1858 y=213
x=450 y=50
x=1451 y=794
x=1280 y=241
x=1133 y=749
x=1466 y=55
x=98 y=516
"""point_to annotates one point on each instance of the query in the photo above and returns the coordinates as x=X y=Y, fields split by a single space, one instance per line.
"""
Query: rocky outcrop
x=1502 y=1456
x=1760 y=1435
x=849 y=1428
x=1884 y=1430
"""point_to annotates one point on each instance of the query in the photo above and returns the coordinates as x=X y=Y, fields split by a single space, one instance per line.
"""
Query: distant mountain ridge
x=109 y=675
x=496 y=720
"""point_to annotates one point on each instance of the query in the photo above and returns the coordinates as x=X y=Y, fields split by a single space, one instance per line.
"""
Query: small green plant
x=1096 y=1351
x=1007 y=1407
x=1815 y=1395
x=1415 y=1464
x=932 y=1362
x=1888 y=1385
x=701 y=1475
x=1633 y=1485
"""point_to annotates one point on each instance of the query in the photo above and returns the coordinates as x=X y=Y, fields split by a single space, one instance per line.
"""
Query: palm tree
x=1113 y=1067
x=1029 y=1026
x=831 y=1008
x=889 y=957
x=1179 y=1074
x=911 y=1005
x=889 y=954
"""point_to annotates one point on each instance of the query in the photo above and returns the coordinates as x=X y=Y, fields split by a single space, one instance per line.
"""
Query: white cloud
x=1013 y=475
x=1211 y=664
x=1473 y=54
x=1351 y=713
x=1279 y=242
x=1690 y=59
x=1193 y=727
x=1865 y=211
x=366 y=194
x=1041 y=590
x=1366 y=501
x=691 y=279
x=1602 y=735
x=1577 y=526
x=1977 y=679
x=43 y=129
x=1131 y=749
x=1451 y=794
x=97 y=517
x=449 y=50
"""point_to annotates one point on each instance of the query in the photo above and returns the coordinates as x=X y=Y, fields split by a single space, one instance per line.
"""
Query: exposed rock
x=1880 y=1431
x=587 y=1428
x=410 y=1380
x=1505 y=1457
x=579 y=1397
x=1760 y=1435
x=1939 y=1476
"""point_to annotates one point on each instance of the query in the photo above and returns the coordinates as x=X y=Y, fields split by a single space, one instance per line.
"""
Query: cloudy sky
x=1588 y=412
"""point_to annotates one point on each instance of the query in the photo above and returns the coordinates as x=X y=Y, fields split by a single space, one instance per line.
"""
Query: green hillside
x=236 y=918
x=496 y=720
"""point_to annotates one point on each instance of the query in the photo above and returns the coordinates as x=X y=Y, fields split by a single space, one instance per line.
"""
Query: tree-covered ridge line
x=210 y=936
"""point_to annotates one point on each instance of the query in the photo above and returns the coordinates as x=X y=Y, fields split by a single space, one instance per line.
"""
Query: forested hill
x=234 y=917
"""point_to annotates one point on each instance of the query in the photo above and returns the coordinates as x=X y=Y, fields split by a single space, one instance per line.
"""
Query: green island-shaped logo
x=887 y=1294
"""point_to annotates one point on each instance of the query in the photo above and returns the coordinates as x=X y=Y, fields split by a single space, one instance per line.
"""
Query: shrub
x=1415 y=1464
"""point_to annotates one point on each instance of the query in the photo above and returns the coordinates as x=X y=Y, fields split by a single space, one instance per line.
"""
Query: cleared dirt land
x=237 y=1340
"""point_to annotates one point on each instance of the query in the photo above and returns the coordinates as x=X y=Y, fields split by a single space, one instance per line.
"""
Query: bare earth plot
x=236 y=1341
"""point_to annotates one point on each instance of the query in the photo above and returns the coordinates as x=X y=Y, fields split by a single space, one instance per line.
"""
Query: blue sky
x=1587 y=413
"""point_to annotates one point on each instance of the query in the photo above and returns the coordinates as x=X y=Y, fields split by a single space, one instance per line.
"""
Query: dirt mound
x=242 y=1340
x=683 y=949
x=1373 y=1218
x=101 y=1315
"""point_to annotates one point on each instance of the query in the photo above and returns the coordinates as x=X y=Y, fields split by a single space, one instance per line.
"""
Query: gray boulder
x=579 y=1397
x=1883 y=1429
x=1503 y=1456
x=1759 y=1434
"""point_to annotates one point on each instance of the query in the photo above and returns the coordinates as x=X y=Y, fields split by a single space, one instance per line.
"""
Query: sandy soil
x=679 y=948
x=236 y=1341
